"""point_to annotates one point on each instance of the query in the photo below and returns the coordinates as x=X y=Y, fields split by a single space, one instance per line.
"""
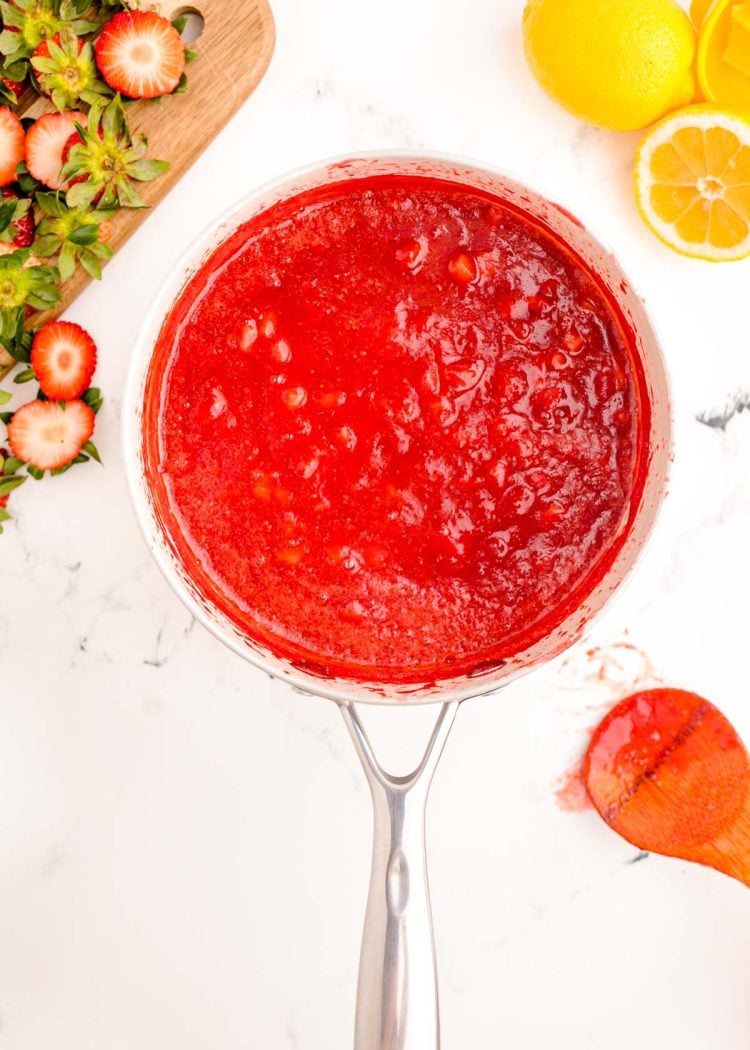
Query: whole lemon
x=621 y=64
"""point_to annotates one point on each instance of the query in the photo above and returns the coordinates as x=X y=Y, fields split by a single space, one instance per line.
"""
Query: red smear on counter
x=618 y=667
x=571 y=794
x=395 y=429
x=611 y=669
x=668 y=772
x=623 y=661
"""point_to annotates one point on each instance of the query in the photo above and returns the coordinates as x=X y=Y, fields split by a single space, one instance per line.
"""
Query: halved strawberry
x=21 y=231
x=63 y=355
x=140 y=54
x=11 y=145
x=45 y=141
x=49 y=435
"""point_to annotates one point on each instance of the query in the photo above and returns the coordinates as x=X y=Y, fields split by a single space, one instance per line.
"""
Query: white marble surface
x=184 y=846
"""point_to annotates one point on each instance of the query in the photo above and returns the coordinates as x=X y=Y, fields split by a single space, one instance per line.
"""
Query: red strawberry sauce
x=396 y=429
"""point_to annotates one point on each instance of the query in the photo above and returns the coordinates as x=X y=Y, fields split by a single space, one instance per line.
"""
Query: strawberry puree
x=570 y=791
x=396 y=430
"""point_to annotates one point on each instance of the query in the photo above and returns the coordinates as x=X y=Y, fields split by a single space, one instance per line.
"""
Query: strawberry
x=45 y=141
x=49 y=435
x=104 y=167
x=74 y=140
x=64 y=70
x=63 y=355
x=24 y=286
x=20 y=230
x=11 y=145
x=73 y=235
x=26 y=23
x=140 y=54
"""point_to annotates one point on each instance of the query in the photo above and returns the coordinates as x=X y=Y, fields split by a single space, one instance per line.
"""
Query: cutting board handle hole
x=194 y=23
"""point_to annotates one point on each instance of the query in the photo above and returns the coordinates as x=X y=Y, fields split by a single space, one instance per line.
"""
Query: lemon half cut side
x=692 y=182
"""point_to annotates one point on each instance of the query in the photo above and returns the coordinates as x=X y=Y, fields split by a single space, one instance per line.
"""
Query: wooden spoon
x=668 y=772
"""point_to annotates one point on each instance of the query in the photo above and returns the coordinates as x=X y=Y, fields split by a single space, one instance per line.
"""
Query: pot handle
x=397 y=996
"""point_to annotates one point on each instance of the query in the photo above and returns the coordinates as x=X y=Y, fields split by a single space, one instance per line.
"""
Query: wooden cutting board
x=234 y=50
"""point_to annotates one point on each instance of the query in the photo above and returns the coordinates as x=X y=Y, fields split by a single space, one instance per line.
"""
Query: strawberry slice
x=140 y=54
x=63 y=355
x=49 y=435
x=45 y=142
x=11 y=145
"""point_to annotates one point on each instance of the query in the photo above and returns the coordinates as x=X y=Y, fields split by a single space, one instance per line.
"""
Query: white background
x=184 y=846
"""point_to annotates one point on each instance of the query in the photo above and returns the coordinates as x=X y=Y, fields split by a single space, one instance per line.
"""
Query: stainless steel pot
x=397 y=1001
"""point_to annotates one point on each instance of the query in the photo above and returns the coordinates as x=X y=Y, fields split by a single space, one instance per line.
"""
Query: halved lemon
x=723 y=56
x=692 y=182
x=699 y=10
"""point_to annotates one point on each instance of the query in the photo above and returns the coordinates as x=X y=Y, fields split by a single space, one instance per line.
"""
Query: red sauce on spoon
x=395 y=429
x=668 y=772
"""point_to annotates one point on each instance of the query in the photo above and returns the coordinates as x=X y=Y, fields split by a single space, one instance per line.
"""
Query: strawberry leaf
x=26 y=181
x=8 y=484
x=84 y=235
x=82 y=194
x=45 y=246
x=91 y=264
x=7 y=214
x=91 y=449
x=147 y=170
x=50 y=204
x=11 y=465
x=12 y=15
x=70 y=9
x=66 y=261
x=14 y=338
x=93 y=398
